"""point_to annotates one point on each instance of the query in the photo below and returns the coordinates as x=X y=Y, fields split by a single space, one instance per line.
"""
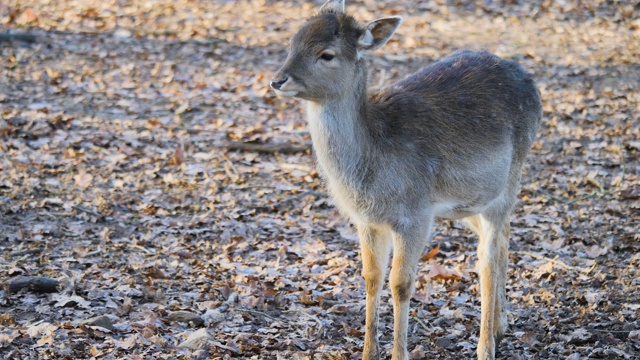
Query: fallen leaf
x=42 y=329
x=6 y=338
x=178 y=157
x=83 y=179
x=71 y=301
x=196 y=340
x=431 y=254
x=127 y=343
x=417 y=353
x=594 y=251
x=443 y=274
x=544 y=269
x=45 y=340
x=581 y=337
x=447 y=313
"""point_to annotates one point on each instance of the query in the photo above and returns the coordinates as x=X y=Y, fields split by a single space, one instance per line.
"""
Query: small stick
x=257 y=313
x=310 y=316
x=135 y=246
x=266 y=148
x=557 y=262
x=36 y=284
x=279 y=205
x=193 y=130
x=421 y=322
x=28 y=38
x=87 y=210
x=611 y=331
x=552 y=196
x=26 y=252
x=220 y=345
x=207 y=42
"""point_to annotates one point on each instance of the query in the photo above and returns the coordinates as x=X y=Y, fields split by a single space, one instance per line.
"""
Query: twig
x=193 y=130
x=557 y=262
x=87 y=210
x=279 y=205
x=144 y=35
x=256 y=312
x=37 y=284
x=91 y=253
x=588 y=196
x=552 y=196
x=206 y=42
x=26 y=252
x=220 y=345
x=266 y=148
x=28 y=38
x=611 y=331
x=421 y=322
x=299 y=197
x=135 y=246
x=312 y=317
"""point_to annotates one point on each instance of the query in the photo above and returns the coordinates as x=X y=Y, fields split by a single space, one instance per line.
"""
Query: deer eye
x=327 y=56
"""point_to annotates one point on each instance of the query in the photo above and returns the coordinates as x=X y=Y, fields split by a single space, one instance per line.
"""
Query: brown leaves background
x=125 y=175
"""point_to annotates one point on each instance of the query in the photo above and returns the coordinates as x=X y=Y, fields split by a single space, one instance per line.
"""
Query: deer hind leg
x=500 y=316
x=408 y=244
x=375 y=245
x=492 y=269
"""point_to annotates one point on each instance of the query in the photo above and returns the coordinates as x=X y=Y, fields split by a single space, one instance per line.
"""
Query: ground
x=126 y=180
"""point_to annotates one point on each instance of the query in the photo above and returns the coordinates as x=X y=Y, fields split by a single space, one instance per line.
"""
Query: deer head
x=325 y=55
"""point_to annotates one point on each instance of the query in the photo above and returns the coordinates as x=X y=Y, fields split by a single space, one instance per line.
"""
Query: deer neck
x=340 y=135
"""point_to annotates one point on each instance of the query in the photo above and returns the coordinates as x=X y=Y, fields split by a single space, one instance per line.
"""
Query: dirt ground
x=125 y=177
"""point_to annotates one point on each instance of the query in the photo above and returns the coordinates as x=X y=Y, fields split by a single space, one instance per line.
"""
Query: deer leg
x=375 y=246
x=500 y=317
x=408 y=245
x=492 y=261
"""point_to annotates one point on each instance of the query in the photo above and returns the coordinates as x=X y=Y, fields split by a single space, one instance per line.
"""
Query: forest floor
x=125 y=179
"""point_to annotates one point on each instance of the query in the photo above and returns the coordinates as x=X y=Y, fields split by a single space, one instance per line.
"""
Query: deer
x=447 y=142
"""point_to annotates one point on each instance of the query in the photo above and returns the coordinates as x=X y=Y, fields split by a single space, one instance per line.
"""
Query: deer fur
x=449 y=141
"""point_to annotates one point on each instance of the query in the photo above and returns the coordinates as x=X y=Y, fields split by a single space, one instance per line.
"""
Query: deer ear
x=377 y=33
x=333 y=6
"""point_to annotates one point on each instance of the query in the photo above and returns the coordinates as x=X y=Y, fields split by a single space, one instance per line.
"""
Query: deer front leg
x=492 y=269
x=408 y=244
x=375 y=246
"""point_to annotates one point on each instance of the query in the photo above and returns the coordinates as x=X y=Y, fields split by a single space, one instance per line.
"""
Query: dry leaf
x=431 y=254
x=417 y=353
x=178 y=157
x=196 y=340
x=6 y=338
x=42 y=329
x=83 y=179
x=126 y=112
x=73 y=301
x=545 y=269
x=127 y=343
x=441 y=273
x=451 y=314
x=27 y=17
x=594 y=251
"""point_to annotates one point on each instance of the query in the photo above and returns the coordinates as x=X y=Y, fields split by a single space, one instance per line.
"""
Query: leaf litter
x=151 y=178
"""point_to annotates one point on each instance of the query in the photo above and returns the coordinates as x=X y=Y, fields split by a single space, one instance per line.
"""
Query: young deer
x=446 y=142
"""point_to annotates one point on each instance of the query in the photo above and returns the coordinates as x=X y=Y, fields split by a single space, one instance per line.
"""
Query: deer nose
x=276 y=84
